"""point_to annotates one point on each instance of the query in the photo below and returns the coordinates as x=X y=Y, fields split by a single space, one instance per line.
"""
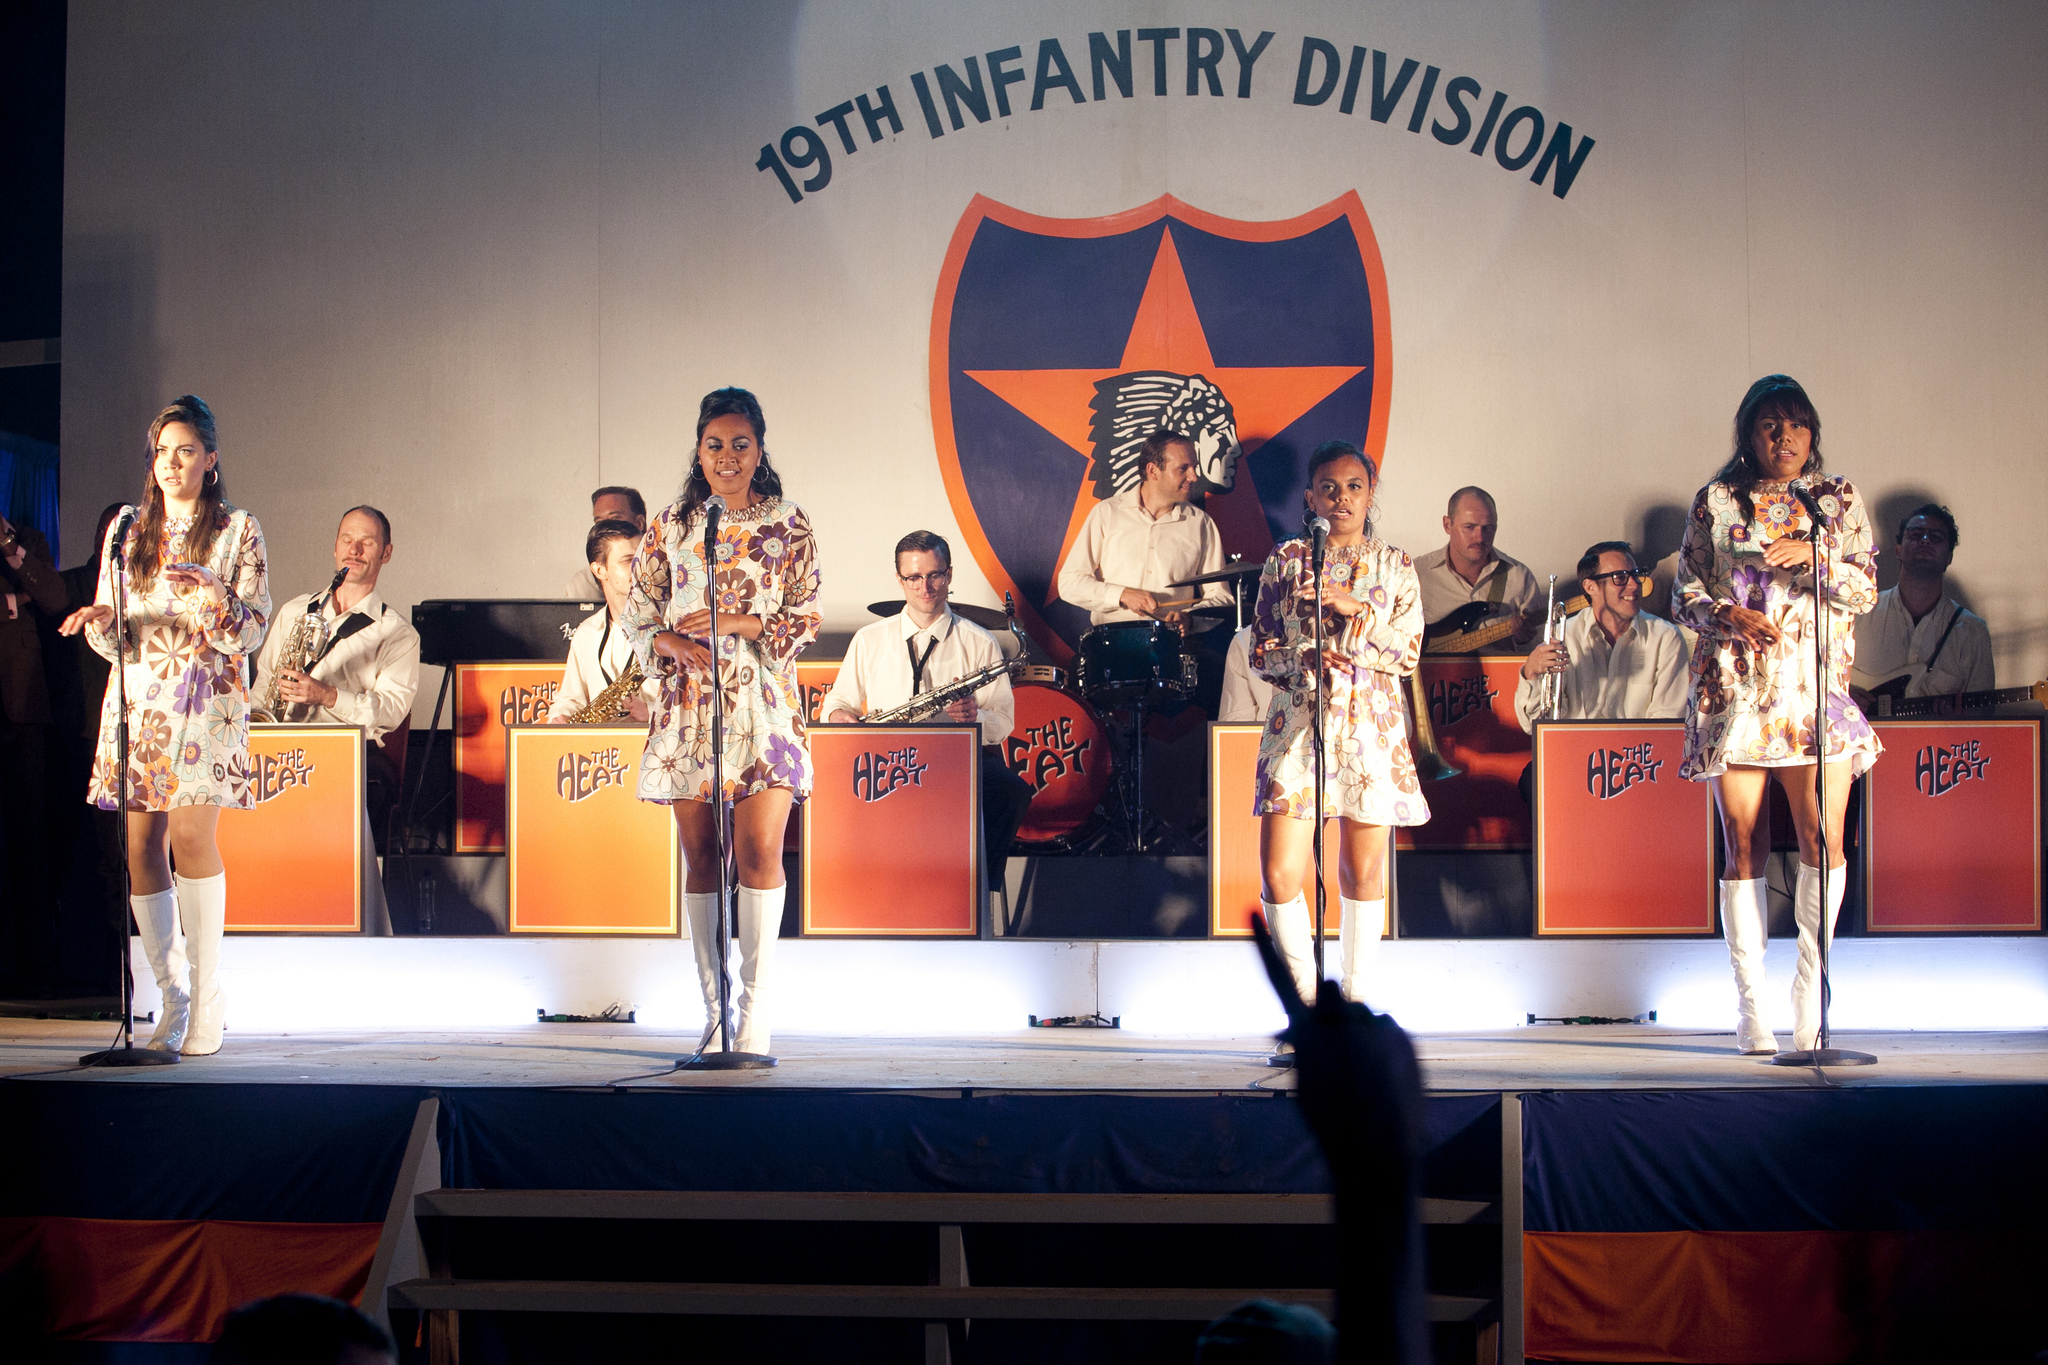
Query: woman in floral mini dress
x=1746 y=584
x=198 y=604
x=765 y=580
x=1372 y=637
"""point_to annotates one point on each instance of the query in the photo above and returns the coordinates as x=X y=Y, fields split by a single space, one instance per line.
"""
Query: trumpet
x=1552 y=695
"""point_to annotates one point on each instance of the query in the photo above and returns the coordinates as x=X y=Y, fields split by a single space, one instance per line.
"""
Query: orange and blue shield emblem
x=1058 y=344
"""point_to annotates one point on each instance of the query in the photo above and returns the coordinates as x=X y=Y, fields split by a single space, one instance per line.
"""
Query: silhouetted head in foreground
x=302 y=1329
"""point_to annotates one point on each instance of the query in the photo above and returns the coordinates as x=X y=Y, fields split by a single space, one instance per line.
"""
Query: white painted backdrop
x=468 y=260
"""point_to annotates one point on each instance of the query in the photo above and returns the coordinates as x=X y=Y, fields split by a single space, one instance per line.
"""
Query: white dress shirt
x=1121 y=545
x=1246 y=695
x=1889 y=641
x=582 y=586
x=1443 y=592
x=376 y=670
x=1641 y=676
x=876 y=675
x=598 y=652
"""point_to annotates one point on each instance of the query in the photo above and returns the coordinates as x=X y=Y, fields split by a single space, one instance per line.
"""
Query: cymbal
x=1208 y=618
x=1246 y=570
x=988 y=618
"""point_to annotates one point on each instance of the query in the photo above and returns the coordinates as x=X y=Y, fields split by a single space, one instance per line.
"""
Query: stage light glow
x=1200 y=988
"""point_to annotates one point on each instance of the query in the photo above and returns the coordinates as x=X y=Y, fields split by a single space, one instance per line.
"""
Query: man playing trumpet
x=599 y=653
x=924 y=647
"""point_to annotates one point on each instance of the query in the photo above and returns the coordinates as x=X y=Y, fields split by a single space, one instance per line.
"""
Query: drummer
x=924 y=647
x=1136 y=544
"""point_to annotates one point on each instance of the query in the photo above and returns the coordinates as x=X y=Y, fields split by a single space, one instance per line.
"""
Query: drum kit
x=1065 y=742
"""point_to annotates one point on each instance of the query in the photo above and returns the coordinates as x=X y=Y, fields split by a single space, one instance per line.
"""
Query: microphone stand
x=1821 y=1054
x=725 y=1059
x=1318 y=539
x=126 y=1054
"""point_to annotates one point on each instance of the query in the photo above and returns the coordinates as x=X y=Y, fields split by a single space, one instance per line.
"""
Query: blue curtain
x=28 y=486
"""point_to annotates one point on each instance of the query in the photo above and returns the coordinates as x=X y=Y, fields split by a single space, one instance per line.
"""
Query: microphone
x=1319 y=539
x=121 y=536
x=714 y=508
x=1801 y=491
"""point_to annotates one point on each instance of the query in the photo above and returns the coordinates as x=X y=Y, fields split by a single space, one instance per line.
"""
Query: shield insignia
x=1058 y=344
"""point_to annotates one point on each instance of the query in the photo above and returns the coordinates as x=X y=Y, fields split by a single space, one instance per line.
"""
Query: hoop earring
x=212 y=476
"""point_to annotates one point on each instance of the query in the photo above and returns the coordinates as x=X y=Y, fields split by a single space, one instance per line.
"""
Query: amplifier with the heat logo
x=892 y=831
x=585 y=855
x=297 y=857
x=490 y=698
x=1952 y=825
x=1624 y=845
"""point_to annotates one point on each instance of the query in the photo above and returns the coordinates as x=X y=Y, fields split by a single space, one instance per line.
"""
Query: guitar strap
x=1497 y=590
x=1957 y=616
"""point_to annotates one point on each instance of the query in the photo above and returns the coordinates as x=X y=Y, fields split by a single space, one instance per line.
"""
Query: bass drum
x=1061 y=749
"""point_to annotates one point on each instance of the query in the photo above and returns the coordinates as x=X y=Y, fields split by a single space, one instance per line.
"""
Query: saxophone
x=301 y=649
x=924 y=703
x=609 y=706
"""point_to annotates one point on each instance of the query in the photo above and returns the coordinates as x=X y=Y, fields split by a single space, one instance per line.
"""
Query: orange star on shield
x=1167 y=335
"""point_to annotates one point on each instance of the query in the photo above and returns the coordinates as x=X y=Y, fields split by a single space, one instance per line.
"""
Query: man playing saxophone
x=363 y=664
x=925 y=647
x=603 y=683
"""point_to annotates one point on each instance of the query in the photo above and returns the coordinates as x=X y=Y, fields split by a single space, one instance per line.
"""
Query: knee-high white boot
x=1295 y=939
x=1358 y=944
x=760 y=925
x=156 y=920
x=1806 y=980
x=1745 y=924
x=203 y=906
x=701 y=909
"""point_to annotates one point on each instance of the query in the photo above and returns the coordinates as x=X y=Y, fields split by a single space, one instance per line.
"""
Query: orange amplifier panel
x=586 y=855
x=489 y=698
x=814 y=678
x=297 y=858
x=1234 y=839
x=1953 y=832
x=1472 y=706
x=1624 y=845
x=892 y=831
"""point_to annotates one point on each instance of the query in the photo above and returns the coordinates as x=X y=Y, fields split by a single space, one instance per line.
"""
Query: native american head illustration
x=1130 y=407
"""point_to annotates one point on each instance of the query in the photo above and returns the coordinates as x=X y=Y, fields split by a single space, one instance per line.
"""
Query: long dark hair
x=733 y=402
x=212 y=513
x=1775 y=395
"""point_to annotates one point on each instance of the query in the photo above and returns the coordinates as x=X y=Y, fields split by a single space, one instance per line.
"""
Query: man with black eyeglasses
x=927 y=646
x=1618 y=662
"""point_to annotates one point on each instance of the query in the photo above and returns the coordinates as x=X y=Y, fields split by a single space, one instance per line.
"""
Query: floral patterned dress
x=1756 y=708
x=188 y=701
x=766 y=566
x=1369 y=772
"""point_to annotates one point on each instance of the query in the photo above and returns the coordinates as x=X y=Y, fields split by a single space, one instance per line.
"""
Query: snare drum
x=1060 y=748
x=1125 y=660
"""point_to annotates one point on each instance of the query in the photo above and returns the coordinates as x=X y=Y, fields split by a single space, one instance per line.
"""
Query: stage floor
x=1620 y=1057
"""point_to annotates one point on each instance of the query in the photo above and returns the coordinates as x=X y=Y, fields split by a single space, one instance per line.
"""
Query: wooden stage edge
x=1553 y=1057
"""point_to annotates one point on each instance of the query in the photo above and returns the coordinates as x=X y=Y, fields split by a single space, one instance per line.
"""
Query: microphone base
x=1823 y=1056
x=129 y=1056
x=727 y=1061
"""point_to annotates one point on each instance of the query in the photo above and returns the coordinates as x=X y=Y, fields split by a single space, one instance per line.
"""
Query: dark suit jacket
x=37 y=591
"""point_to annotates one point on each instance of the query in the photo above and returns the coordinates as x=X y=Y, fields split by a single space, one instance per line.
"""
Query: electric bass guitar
x=1476 y=625
x=1890 y=701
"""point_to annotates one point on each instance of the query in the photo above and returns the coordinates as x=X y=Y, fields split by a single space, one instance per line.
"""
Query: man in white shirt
x=598 y=651
x=1468 y=568
x=1134 y=546
x=610 y=503
x=1615 y=661
x=927 y=646
x=1917 y=635
x=1246 y=695
x=366 y=672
